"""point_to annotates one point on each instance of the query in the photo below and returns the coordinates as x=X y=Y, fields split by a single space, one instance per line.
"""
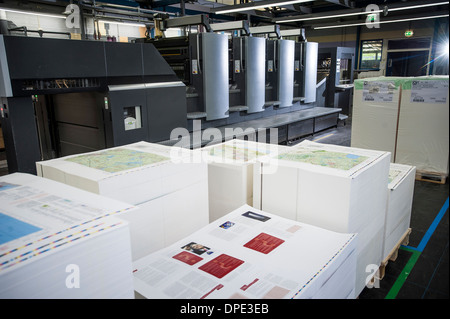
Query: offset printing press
x=67 y=97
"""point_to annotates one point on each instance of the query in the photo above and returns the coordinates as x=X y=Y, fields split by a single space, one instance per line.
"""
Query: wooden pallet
x=404 y=240
x=439 y=178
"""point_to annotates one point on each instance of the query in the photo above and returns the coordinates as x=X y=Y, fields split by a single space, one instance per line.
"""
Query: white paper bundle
x=399 y=205
x=338 y=188
x=249 y=253
x=230 y=173
x=57 y=241
x=169 y=184
x=423 y=128
x=376 y=103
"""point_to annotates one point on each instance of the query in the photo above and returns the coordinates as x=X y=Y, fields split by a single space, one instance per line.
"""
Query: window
x=405 y=44
x=370 y=54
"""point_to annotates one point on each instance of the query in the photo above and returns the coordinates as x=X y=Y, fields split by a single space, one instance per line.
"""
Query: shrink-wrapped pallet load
x=399 y=205
x=230 y=173
x=407 y=116
x=423 y=128
x=58 y=242
x=338 y=188
x=168 y=184
x=376 y=103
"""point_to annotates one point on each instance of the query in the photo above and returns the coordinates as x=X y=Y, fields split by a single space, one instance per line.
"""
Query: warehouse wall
x=348 y=37
x=123 y=33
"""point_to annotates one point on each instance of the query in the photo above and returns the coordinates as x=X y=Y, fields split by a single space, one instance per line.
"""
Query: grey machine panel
x=45 y=58
x=116 y=52
x=157 y=108
x=19 y=132
x=215 y=75
x=310 y=50
x=120 y=99
x=154 y=63
x=79 y=122
x=286 y=50
x=166 y=107
x=255 y=88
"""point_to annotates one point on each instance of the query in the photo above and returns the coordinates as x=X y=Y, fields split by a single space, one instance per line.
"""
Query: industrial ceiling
x=288 y=14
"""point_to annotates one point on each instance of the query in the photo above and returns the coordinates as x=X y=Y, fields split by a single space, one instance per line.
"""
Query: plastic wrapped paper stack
x=58 y=242
x=230 y=173
x=168 y=184
x=407 y=116
x=338 y=188
x=399 y=205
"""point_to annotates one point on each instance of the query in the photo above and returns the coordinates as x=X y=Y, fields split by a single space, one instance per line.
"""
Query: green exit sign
x=409 y=33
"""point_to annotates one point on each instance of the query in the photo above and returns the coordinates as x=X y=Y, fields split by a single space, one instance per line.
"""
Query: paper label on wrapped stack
x=249 y=253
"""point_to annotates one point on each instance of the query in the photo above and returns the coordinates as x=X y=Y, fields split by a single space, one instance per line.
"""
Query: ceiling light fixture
x=60 y=16
x=131 y=24
x=254 y=5
x=419 y=6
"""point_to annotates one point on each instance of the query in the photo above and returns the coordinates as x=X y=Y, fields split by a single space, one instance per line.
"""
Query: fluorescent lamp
x=256 y=6
x=331 y=16
x=60 y=16
x=124 y=23
x=362 y=12
x=419 y=6
x=390 y=21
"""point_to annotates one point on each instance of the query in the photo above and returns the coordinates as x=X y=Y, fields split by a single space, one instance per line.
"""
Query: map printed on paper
x=117 y=160
x=393 y=174
x=235 y=153
x=342 y=161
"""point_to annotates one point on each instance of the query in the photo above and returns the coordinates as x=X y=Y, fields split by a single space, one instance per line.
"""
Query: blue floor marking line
x=434 y=272
x=431 y=229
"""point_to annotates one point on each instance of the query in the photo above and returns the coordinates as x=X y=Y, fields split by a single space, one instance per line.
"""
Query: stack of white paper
x=249 y=253
x=230 y=173
x=399 y=205
x=423 y=128
x=338 y=188
x=57 y=241
x=376 y=103
x=168 y=184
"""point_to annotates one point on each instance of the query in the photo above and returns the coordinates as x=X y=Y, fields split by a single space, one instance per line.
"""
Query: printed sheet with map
x=117 y=160
x=237 y=153
x=393 y=174
x=342 y=161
